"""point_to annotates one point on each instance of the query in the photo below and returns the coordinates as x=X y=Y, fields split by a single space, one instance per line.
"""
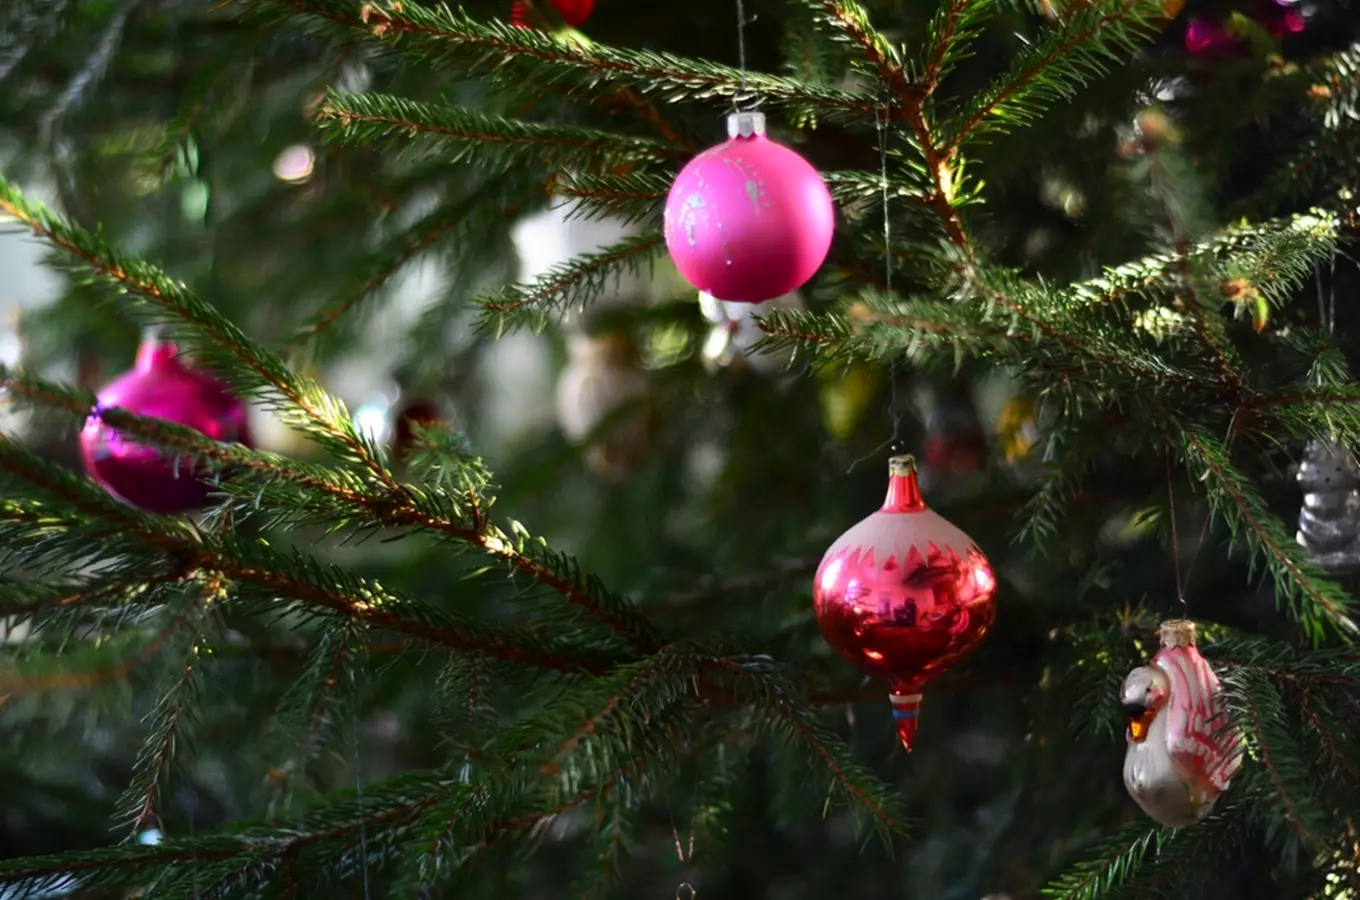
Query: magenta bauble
x=749 y=220
x=159 y=386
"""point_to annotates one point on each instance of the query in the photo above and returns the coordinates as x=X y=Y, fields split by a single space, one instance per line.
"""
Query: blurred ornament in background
x=565 y=231
x=904 y=595
x=1057 y=11
x=1329 y=520
x=600 y=402
x=13 y=420
x=749 y=220
x=413 y=414
x=955 y=443
x=735 y=331
x=846 y=395
x=159 y=386
x=573 y=12
x=1182 y=752
x=1232 y=35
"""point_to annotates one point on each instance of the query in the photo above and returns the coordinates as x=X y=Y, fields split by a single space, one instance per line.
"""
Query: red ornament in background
x=159 y=386
x=416 y=412
x=573 y=12
x=904 y=595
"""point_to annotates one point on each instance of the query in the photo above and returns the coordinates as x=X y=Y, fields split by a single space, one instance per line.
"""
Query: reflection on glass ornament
x=904 y=595
x=295 y=164
x=159 y=386
x=749 y=220
x=735 y=331
x=1182 y=751
x=1329 y=521
x=600 y=402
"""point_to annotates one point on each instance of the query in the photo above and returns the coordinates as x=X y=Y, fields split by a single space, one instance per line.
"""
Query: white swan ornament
x=1182 y=753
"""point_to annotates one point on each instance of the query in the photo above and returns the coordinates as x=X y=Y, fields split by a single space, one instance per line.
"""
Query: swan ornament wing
x=1181 y=753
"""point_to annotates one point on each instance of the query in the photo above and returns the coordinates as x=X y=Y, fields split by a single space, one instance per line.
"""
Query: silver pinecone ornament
x=1329 y=522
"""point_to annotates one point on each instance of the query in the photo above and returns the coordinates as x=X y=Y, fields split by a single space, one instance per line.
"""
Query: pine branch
x=1030 y=304
x=314 y=410
x=1052 y=70
x=634 y=197
x=316 y=702
x=170 y=721
x=113 y=660
x=1314 y=602
x=1062 y=481
x=410 y=506
x=573 y=283
x=459 y=45
x=850 y=23
x=1284 y=760
x=460 y=135
x=258 y=566
x=848 y=186
x=1119 y=859
x=383 y=265
x=1272 y=256
x=800 y=725
x=955 y=25
x=1133 y=867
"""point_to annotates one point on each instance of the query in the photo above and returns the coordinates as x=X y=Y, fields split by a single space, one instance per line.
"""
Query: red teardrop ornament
x=904 y=594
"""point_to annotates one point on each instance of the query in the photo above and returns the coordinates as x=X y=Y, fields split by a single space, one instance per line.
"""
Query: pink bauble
x=159 y=386
x=749 y=220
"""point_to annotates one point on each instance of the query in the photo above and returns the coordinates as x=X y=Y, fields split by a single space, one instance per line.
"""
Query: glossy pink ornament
x=904 y=595
x=1182 y=752
x=749 y=219
x=162 y=387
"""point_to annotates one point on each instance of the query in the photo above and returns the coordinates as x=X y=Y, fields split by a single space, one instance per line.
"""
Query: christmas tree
x=512 y=581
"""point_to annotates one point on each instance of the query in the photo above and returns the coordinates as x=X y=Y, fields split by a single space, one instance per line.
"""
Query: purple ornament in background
x=1209 y=37
x=749 y=220
x=159 y=386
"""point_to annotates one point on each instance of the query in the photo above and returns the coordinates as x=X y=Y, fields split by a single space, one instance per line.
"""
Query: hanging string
x=742 y=22
x=896 y=408
x=1181 y=581
x=1175 y=538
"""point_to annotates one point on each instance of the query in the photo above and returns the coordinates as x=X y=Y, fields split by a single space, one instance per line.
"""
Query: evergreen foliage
x=480 y=671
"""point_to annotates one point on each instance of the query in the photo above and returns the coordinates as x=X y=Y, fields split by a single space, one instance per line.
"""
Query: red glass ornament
x=415 y=413
x=159 y=386
x=904 y=595
x=573 y=12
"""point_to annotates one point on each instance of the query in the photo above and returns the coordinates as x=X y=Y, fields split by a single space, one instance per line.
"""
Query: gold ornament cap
x=1178 y=633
